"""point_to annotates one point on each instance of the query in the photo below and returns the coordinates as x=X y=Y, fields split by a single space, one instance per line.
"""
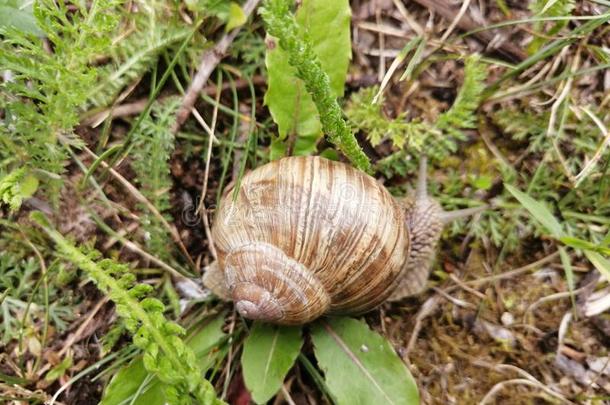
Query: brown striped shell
x=306 y=236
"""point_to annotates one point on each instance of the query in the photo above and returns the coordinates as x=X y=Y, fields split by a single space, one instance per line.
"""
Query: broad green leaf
x=289 y=102
x=18 y=14
x=600 y=262
x=269 y=353
x=360 y=366
x=538 y=211
x=204 y=339
x=133 y=380
x=134 y=383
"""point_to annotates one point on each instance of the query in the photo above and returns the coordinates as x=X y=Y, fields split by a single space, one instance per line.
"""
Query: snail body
x=306 y=236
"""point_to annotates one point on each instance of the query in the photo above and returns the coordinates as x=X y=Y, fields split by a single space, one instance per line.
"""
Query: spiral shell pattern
x=306 y=236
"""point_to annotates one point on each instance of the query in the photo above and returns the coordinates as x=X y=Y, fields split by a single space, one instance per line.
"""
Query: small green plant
x=134 y=383
x=437 y=140
x=366 y=115
x=280 y=23
x=549 y=8
x=290 y=105
x=359 y=365
x=45 y=91
x=153 y=144
x=16 y=186
x=165 y=353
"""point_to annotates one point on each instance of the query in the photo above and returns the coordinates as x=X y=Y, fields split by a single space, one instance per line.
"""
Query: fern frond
x=165 y=353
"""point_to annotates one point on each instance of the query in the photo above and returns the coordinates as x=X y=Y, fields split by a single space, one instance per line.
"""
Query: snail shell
x=306 y=236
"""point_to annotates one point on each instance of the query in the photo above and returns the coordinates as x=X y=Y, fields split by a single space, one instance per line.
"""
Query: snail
x=306 y=236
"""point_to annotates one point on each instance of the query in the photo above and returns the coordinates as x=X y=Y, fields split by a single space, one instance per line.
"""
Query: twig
x=287 y=396
x=208 y=63
x=426 y=310
x=94 y=119
x=553 y=132
x=456 y=301
x=142 y=199
x=548 y=298
x=600 y=150
x=381 y=71
x=402 y=10
x=527 y=379
x=467 y=23
x=78 y=334
x=201 y=209
x=456 y=20
x=512 y=273
x=471 y=290
x=520 y=381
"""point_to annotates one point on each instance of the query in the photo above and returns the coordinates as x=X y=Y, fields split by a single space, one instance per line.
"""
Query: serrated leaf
x=134 y=379
x=538 y=210
x=360 y=366
x=600 y=262
x=269 y=353
x=289 y=102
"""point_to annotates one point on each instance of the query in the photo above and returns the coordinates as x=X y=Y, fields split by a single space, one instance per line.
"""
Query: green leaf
x=28 y=186
x=578 y=243
x=538 y=211
x=18 y=16
x=269 y=353
x=59 y=370
x=290 y=104
x=133 y=382
x=482 y=182
x=600 y=262
x=204 y=339
x=360 y=366
x=237 y=17
x=420 y=41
